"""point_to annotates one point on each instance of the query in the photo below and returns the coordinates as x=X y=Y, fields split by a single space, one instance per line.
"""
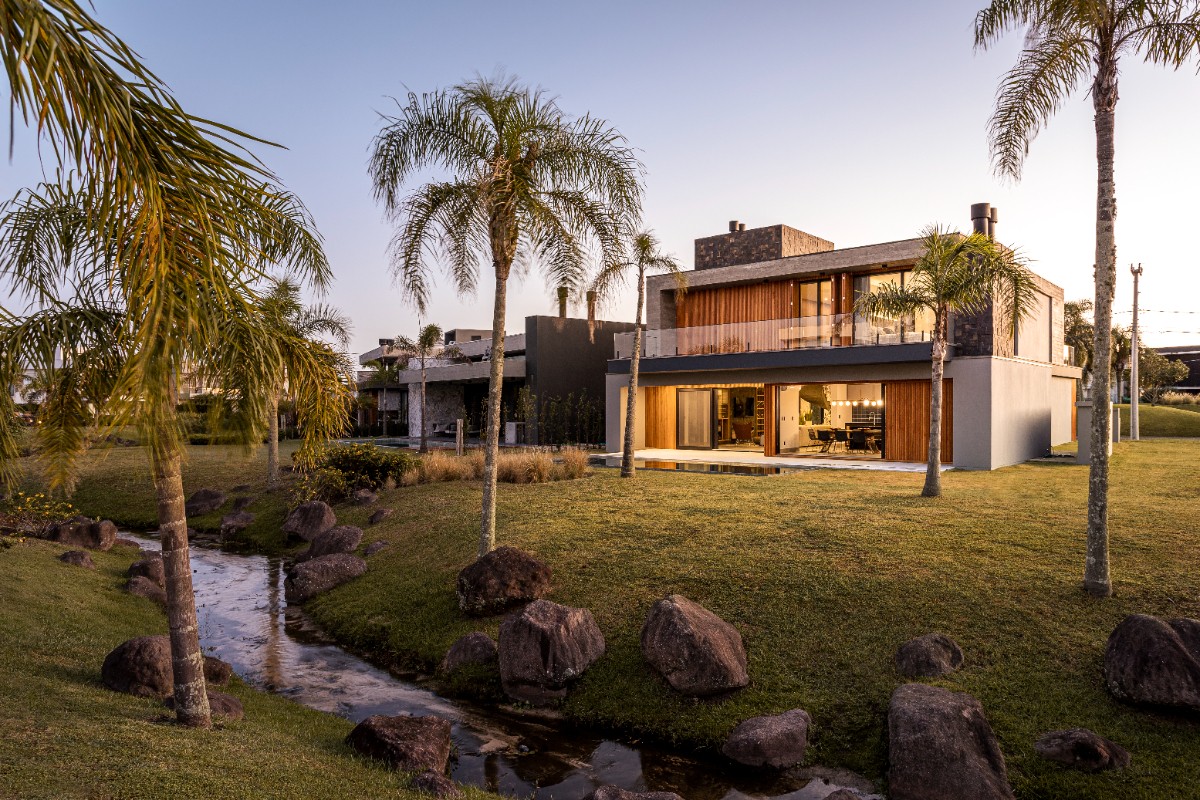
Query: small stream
x=245 y=621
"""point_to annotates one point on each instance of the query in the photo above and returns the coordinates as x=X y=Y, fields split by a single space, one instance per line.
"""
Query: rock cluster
x=83 y=532
x=142 y=667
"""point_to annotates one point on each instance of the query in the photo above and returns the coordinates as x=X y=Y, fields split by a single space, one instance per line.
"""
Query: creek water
x=244 y=620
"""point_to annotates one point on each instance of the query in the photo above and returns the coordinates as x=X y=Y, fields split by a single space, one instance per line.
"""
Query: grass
x=825 y=573
x=66 y=736
x=1171 y=421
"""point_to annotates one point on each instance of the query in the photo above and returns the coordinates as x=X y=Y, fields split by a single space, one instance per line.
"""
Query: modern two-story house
x=764 y=354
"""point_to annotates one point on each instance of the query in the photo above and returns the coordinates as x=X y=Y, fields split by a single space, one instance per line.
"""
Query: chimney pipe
x=981 y=217
x=733 y=226
x=993 y=218
x=741 y=227
x=562 y=302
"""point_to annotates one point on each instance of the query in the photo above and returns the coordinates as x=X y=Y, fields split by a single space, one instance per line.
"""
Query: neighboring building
x=554 y=377
x=1190 y=355
x=764 y=354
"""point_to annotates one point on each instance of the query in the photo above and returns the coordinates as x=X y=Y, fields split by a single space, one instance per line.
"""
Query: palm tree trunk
x=487 y=532
x=424 y=425
x=187 y=662
x=273 y=443
x=933 y=470
x=627 y=468
x=1096 y=579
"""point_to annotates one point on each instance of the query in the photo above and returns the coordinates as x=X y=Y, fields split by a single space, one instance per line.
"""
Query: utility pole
x=1134 y=386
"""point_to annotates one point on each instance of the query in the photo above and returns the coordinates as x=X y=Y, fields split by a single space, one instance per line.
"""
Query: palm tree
x=174 y=219
x=646 y=257
x=428 y=345
x=1069 y=44
x=309 y=325
x=955 y=274
x=526 y=185
x=381 y=372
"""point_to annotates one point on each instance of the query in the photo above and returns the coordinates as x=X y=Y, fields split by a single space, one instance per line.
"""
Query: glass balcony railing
x=797 y=333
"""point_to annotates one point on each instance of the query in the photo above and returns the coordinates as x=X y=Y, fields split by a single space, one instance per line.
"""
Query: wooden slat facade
x=906 y=423
x=660 y=417
x=751 y=303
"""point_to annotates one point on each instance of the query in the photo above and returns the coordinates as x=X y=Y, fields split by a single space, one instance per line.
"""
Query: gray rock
x=610 y=792
x=364 y=497
x=379 y=515
x=928 y=656
x=140 y=666
x=696 y=651
x=339 y=539
x=941 y=747
x=843 y=794
x=375 y=547
x=79 y=558
x=241 y=503
x=311 y=578
x=473 y=649
x=1152 y=662
x=307 y=520
x=241 y=488
x=221 y=706
x=82 y=532
x=151 y=567
x=217 y=671
x=235 y=523
x=436 y=784
x=544 y=647
x=145 y=587
x=204 y=501
x=410 y=744
x=503 y=578
x=1082 y=749
x=777 y=741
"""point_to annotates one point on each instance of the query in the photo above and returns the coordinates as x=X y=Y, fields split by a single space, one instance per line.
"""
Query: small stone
x=928 y=656
x=319 y=575
x=375 y=547
x=410 y=744
x=235 y=523
x=204 y=501
x=777 y=741
x=144 y=587
x=473 y=649
x=379 y=515
x=436 y=784
x=79 y=558
x=364 y=497
x=1082 y=749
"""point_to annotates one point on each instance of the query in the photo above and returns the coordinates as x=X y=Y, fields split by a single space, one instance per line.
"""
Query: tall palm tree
x=308 y=325
x=525 y=185
x=1070 y=44
x=955 y=274
x=381 y=372
x=178 y=219
x=645 y=257
x=427 y=346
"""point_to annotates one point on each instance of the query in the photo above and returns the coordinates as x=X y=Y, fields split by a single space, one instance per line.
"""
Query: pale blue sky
x=859 y=122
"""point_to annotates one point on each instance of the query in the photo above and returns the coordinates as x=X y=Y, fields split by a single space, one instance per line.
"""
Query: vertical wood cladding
x=754 y=302
x=906 y=422
x=755 y=245
x=660 y=417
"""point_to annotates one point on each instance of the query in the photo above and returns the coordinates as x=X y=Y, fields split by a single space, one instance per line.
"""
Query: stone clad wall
x=444 y=405
x=757 y=244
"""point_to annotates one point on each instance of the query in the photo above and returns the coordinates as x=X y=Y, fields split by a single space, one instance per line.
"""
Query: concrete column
x=1083 y=431
x=1116 y=425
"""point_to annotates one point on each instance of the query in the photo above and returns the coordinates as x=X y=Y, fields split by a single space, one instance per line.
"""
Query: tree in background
x=380 y=373
x=526 y=185
x=1069 y=44
x=174 y=219
x=645 y=256
x=425 y=347
x=1156 y=373
x=955 y=274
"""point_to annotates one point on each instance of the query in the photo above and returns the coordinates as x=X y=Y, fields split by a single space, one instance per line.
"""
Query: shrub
x=327 y=485
x=476 y=459
x=539 y=466
x=365 y=466
x=1179 y=399
x=574 y=463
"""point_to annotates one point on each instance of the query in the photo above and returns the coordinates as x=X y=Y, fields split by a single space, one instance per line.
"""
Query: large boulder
x=473 y=649
x=79 y=558
x=777 y=741
x=307 y=520
x=1153 y=662
x=83 y=532
x=204 y=501
x=141 y=667
x=544 y=647
x=234 y=523
x=147 y=588
x=339 y=539
x=220 y=705
x=311 y=578
x=150 y=567
x=695 y=650
x=1082 y=749
x=503 y=578
x=928 y=656
x=610 y=792
x=941 y=747
x=409 y=744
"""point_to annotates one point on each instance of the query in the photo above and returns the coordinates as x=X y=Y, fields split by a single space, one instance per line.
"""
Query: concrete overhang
x=776 y=359
x=462 y=373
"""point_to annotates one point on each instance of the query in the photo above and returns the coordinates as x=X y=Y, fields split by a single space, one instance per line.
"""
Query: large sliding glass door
x=695 y=419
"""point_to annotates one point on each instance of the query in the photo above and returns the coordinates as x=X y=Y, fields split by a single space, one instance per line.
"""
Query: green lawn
x=1163 y=420
x=825 y=573
x=65 y=735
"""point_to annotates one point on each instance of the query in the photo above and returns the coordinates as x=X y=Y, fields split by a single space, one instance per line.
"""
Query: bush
x=539 y=466
x=440 y=466
x=1179 y=399
x=574 y=463
x=365 y=466
x=327 y=485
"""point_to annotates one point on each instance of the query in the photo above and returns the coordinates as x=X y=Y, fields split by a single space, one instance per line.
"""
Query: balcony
x=797 y=333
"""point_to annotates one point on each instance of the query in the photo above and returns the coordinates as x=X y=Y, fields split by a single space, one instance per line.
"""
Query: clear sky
x=859 y=122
